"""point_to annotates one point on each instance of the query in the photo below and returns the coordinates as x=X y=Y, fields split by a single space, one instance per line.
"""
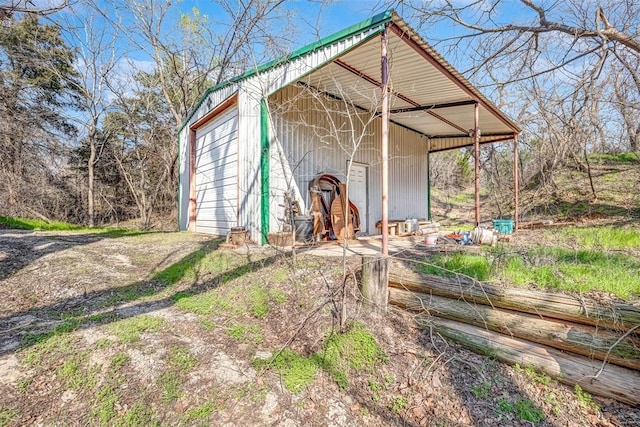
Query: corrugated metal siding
x=217 y=174
x=300 y=125
x=249 y=185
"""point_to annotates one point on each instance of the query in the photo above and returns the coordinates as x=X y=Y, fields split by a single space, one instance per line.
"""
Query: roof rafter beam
x=497 y=138
x=398 y=95
x=356 y=106
x=432 y=107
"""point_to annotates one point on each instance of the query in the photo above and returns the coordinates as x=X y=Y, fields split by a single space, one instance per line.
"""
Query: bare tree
x=97 y=57
x=568 y=71
x=139 y=133
x=32 y=7
x=538 y=37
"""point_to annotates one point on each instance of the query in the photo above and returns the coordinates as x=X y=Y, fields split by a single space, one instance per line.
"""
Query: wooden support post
x=428 y=185
x=515 y=182
x=375 y=282
x=476 y=150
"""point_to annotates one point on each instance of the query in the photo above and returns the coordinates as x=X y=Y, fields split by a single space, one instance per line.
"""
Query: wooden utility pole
x=476 y=146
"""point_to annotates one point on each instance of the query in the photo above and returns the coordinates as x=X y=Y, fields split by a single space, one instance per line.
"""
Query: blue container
x=503 y=226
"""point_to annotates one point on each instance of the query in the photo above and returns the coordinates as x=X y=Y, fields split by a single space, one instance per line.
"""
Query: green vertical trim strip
x=428 y=186
x=264 y=169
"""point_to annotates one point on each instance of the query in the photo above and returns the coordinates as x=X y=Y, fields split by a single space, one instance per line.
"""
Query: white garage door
x=217 y=174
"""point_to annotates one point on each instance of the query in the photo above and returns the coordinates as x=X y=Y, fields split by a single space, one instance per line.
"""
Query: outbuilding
x=366 y=105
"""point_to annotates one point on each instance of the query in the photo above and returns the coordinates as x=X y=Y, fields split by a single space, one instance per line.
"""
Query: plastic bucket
x=431 y=239
x=483 y=236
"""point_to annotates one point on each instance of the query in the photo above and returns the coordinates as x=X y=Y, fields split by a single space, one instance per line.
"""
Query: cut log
x=613 y=381
x=579 y=309
x=585 y=340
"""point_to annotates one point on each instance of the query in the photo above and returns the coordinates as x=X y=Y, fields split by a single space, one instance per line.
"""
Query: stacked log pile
x=578 y=340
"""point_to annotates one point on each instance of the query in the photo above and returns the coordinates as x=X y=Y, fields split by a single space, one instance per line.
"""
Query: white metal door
x=358 y=193
x=217 y=174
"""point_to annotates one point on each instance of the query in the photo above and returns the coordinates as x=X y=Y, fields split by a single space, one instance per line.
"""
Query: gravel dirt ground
x=125 y=330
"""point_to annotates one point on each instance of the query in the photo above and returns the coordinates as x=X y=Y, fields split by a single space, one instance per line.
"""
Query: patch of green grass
x=170 y=385
x=24 y=383
x=357 y=346
x=355 y=349
x=136 y=291
x=375 y=388
x=281 y=275
x=398 y=404
x=37 y=224
x=129 y=330
x=42 y=225
x=199 y=413
x=460 y=198
x=76 y=374
x=297 y=372
x=203 y=262
x=555 y=401
x=207 y=303
x=6 y=415
x=179 y=363
x=278 y=296
x=61 y=329
x=140 y=415
x=523 y=409
x=103 y=407
x=481 y=391
x=612 y=238
x=246 y=333
x=476 y=266
x=585 y=398
x=616 y=158
x=504 y=405
x=207 y=324
x=583 y=270
x=103 y=343
x=117 y=361
x=532 y=373
x=49 y=347
x=526 y=410
x=575 y=271
x=260 y=298
x=181 y=360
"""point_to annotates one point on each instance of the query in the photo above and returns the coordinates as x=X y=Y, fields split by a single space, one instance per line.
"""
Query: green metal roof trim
x=367 y=24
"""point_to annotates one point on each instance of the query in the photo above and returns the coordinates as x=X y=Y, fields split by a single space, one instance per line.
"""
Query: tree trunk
x=610 y=381
x=90 y=171
x=608 y=314
x=581 y=339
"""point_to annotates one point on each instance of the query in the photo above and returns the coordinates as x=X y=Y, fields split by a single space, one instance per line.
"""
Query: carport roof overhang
x=428 y=95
